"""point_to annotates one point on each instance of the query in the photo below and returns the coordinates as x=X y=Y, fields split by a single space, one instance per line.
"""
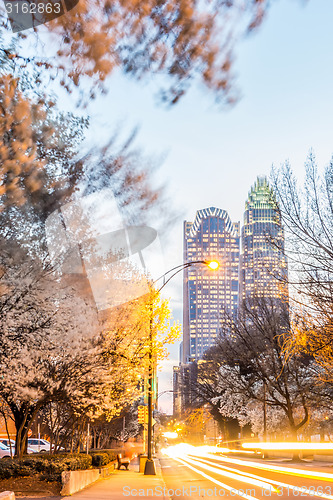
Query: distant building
x=206 y=293
x=184 y=381
x=263 y=265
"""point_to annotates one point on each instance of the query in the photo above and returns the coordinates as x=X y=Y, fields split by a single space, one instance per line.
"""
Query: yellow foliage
x=313 y=335
x=132 y=331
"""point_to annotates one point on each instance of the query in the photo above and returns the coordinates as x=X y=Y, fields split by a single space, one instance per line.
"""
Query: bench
x=122 y=461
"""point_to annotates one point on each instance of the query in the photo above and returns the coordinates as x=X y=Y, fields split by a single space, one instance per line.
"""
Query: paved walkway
x=124 y=484
x=121 y=484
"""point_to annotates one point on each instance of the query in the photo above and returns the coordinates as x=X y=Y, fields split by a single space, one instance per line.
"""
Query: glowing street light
x=213 y=265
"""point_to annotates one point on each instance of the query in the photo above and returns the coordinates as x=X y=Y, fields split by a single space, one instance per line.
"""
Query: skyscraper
x=212 y=236
x=263 y=265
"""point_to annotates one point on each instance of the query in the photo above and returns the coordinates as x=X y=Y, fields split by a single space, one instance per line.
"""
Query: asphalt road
x=196 y=477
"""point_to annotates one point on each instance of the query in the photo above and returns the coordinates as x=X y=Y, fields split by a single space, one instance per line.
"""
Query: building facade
x=207 y=293
x=184 y=382
x=263 y=265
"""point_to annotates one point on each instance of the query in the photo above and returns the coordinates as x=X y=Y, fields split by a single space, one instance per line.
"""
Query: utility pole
x=150 y=465
x=264 y=455
x=88 y=437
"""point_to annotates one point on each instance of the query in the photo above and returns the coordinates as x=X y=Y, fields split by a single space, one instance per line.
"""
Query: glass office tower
x=263 y=265
x=206 y=293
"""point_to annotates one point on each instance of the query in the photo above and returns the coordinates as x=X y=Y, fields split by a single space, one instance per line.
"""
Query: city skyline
x=252 y=264
x=211 y=156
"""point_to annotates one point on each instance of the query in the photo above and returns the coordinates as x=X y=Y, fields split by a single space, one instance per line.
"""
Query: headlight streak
x=238 y=477
x=170 y=435
x=238 y=472
x=295 y=446
x=278 y=483
x=183 y=452
x=321 y=476
x=224 y=486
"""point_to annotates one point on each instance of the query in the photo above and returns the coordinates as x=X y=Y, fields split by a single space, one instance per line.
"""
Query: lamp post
x=265 y=455
x=213 y=265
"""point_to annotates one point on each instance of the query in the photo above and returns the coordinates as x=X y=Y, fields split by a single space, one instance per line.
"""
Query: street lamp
x=211 y=264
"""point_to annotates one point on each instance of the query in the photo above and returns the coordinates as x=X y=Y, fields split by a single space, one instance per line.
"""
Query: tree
x=63 y=352
x=181 y=40
x=308 y=217
x=38 y=305
x=255 y=370
x=125 y=346
x=41 y=165
x=207 y=392
x=52 y=352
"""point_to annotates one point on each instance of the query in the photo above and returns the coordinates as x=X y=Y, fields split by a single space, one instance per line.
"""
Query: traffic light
x=142 y=414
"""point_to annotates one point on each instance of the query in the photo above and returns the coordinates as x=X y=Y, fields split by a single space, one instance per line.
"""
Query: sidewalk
x=124 y=484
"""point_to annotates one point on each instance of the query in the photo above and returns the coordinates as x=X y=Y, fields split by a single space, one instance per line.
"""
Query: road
x=211 y=476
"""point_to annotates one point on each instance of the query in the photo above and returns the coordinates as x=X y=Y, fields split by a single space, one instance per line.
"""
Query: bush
x=112 y=454
x=50 y=466
x=6 y=468
x=100 y=459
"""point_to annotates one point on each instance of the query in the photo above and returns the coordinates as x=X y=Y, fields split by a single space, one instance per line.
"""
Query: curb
x=160 y=475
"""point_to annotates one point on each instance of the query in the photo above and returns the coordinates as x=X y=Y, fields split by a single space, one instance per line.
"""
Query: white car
x=4 y=451
x=12 y=442
x=39 y=445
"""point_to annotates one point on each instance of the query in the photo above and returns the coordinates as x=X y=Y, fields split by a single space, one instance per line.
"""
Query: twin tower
x=252 y=263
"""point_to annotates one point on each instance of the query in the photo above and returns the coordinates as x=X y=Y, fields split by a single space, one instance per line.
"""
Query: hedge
x=49 y=466
x=100 y=459
x=103 y=457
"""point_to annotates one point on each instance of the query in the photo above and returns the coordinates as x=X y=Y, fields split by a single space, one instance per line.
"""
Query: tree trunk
x=23 y=418
x=296 y=454
x=22 y=427
x=7 y=432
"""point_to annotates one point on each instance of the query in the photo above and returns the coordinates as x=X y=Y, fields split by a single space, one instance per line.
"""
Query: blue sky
x=284 y=74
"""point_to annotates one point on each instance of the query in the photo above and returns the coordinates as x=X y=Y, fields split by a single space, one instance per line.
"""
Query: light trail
x=321 y=476
x=237 y=471
x=213 y=480
x=292 y=446
x=170 y=435
x=303 y=489
x=239 y=476
x=186 y=454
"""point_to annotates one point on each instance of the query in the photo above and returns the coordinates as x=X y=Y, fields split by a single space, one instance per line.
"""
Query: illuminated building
x=184 y=381
x=212 y=236
x=263 y=265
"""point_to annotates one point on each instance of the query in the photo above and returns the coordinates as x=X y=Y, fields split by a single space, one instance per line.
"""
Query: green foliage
x=6 y=468
x=111 y=454
x=49 y=466
x=100 y=459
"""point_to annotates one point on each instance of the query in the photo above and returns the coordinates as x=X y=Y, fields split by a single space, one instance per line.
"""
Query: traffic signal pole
x=150 y=465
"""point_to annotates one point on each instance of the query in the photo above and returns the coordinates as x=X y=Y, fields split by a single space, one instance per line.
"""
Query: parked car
x=12 y=442
x=4 y=451
x=39 y=445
